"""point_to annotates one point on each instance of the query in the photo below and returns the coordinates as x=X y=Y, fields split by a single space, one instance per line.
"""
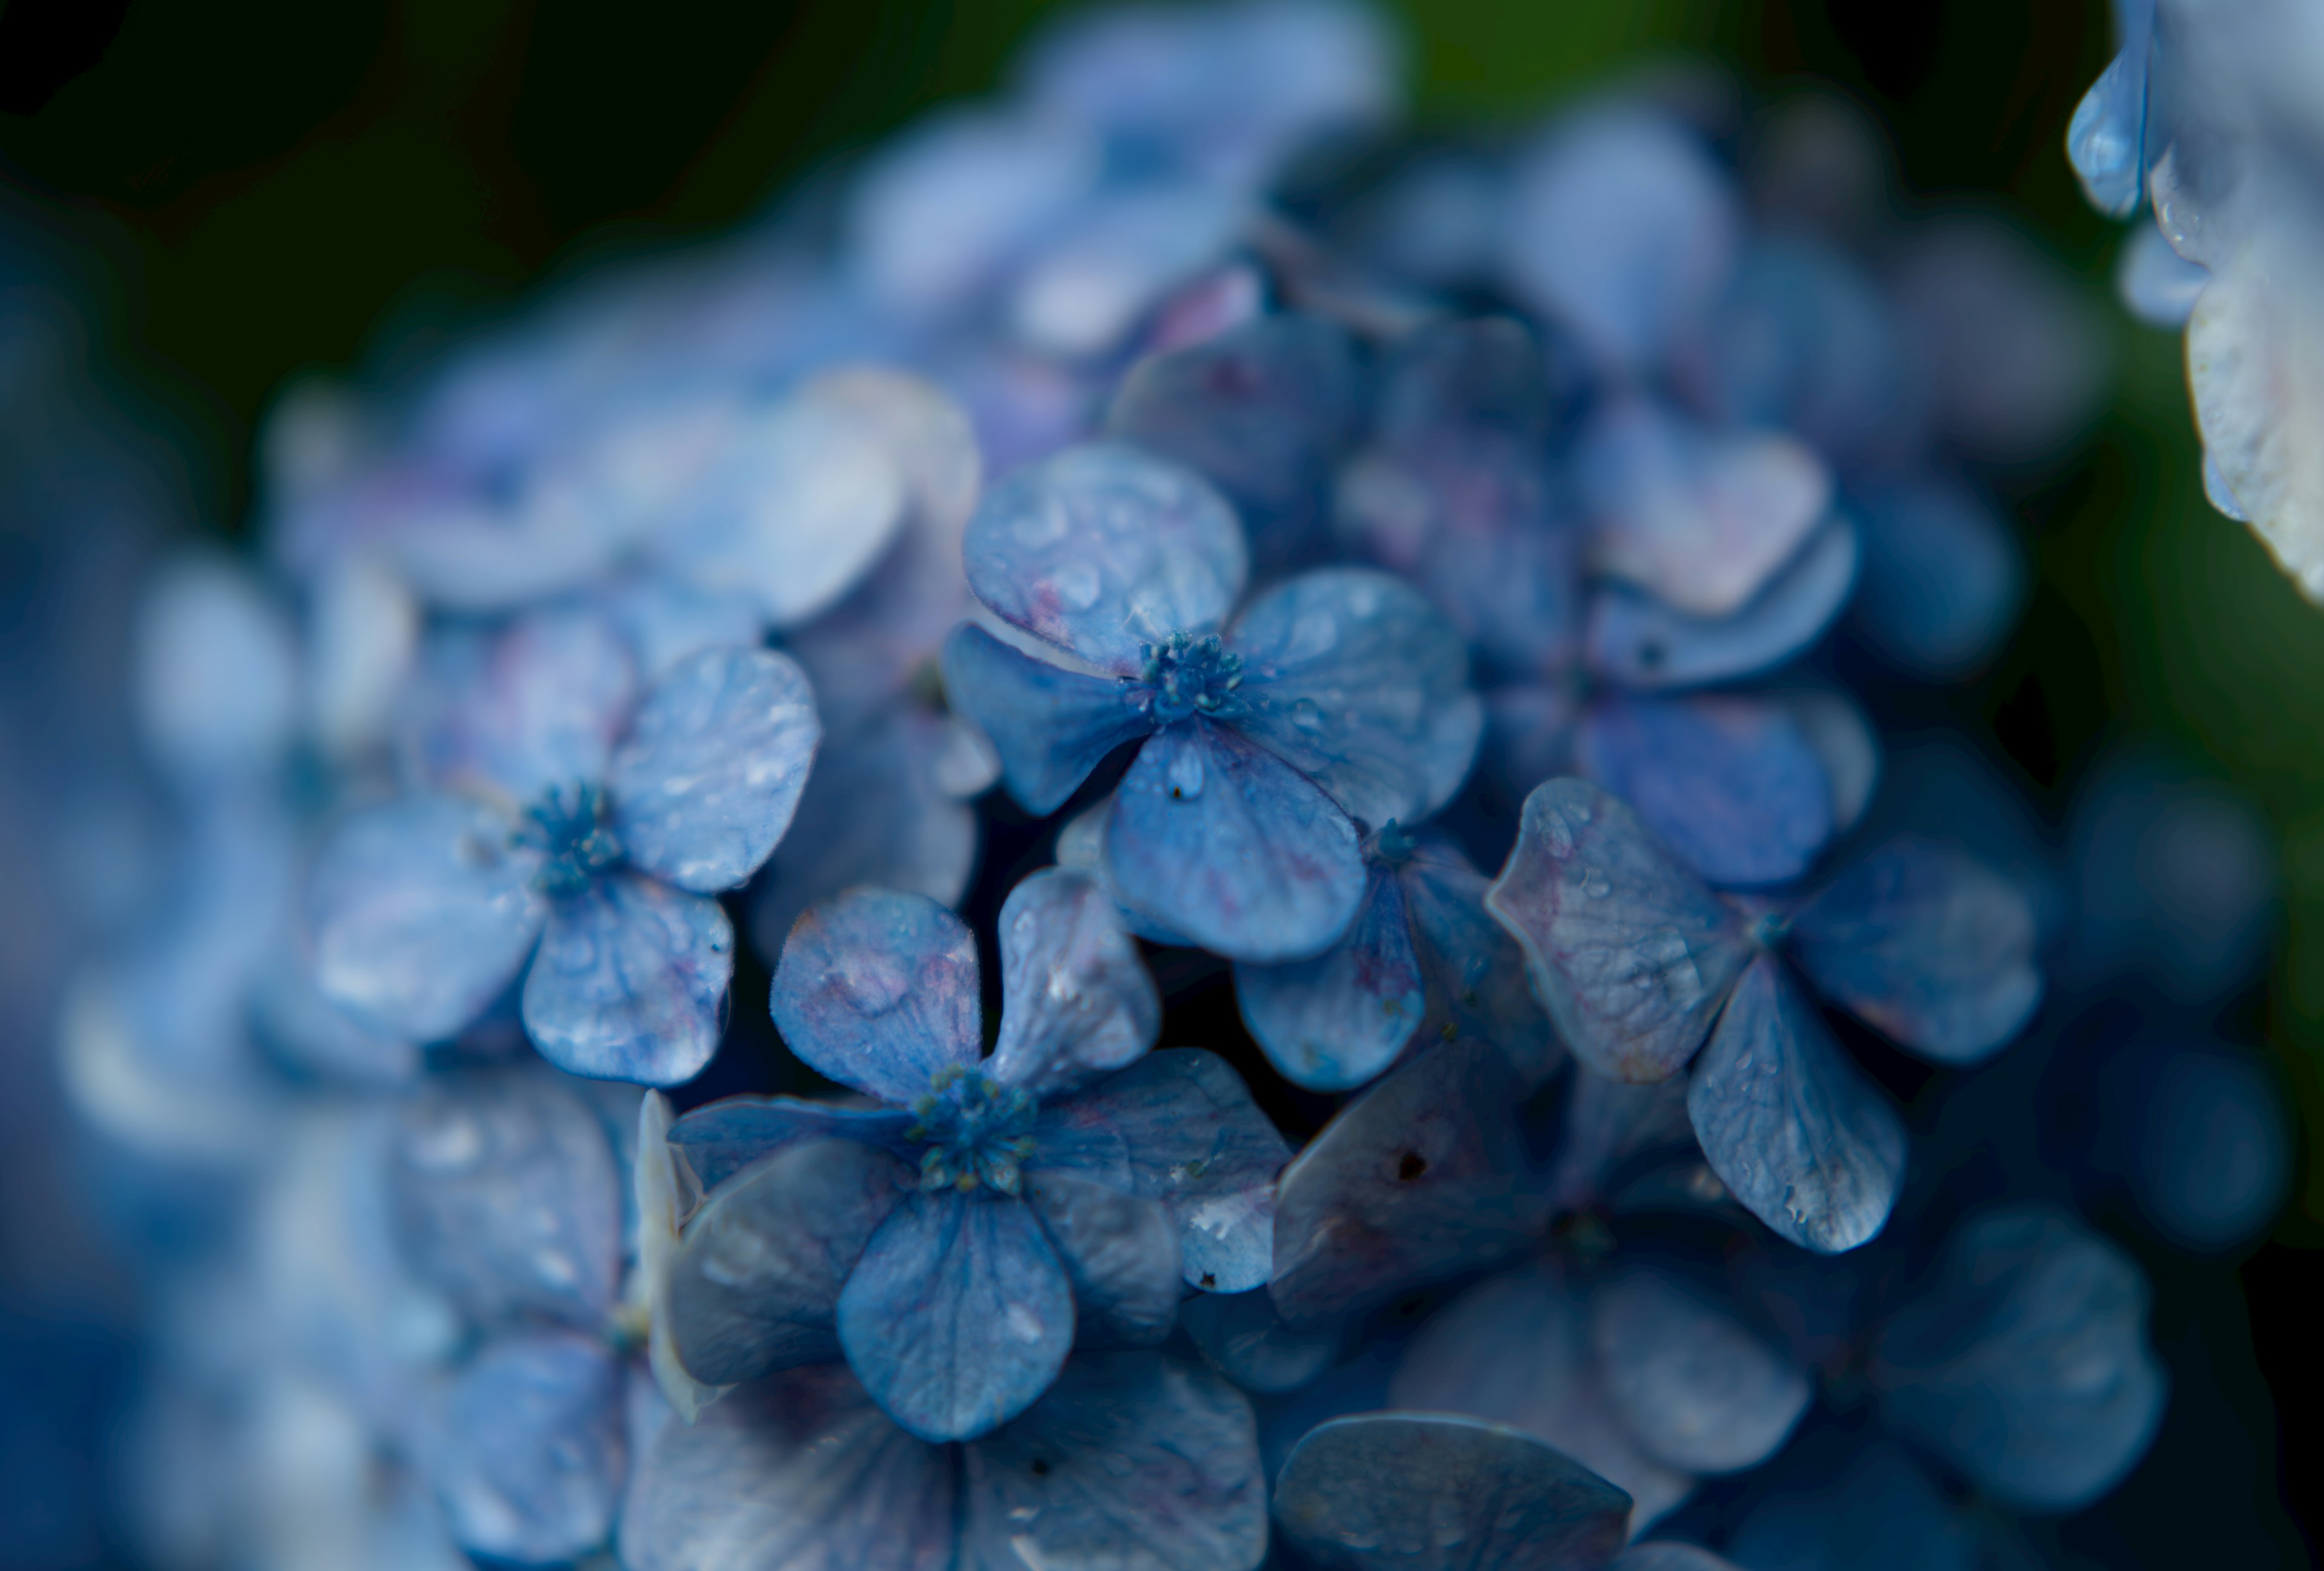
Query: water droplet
x=1185 y=775
x=1306 y=715
x=1597 y=885
x=1077 y=586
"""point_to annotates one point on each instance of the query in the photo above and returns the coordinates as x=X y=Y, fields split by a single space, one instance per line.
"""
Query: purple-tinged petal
x=1473 y=971
x=1630 y=953
x=1131 y=1460
x=710 y=773
x=422 y=909
x=1102 y=548
x=1945 y=577
x=1336 y=1021
x=1076 y=1001
x=1642 y=643
x=1219 y=839
x=1725 y=780
x=631 y=982
x=1791 y=1127
x=1423 y=1176
x=528 y=1453
x=722 y=1137
x=958 y=1315
x=520 y=710
x=1429 y=1491
x=1929 y=945
x=878 y=991
x=754 y=1286
x=802 y=1472
x=1120 y=1254
x=1358 y=683
x=1694 y=1386
x=1051 y=727
x=1245 y=1339
x=1178 y=1126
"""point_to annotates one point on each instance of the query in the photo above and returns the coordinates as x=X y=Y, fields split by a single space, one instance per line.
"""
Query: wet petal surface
x=878 y=990
x=1336 y=1021
x=631 y=982
x=1077 y=1001
x=1050 y=726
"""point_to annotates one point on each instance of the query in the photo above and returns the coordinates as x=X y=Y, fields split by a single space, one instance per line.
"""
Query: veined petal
x=878 y=990
x=1051 y=727
x=631 y=982
x=1336 y=1021
x=528 y=1453
x=1076 y=1001
x=1120 y=1253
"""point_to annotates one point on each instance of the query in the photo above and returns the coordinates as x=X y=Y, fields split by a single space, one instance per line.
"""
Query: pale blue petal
x=1102 y=548
x=878 y=990
x=1791 y=1127
x=1076 y=1001
x=1474 y=972
x=959 y=1313
x=1428 y=1491
x=1630 y=953
x=1929 y=945
x=1178 y=1126
x=754 y=1285
x=1120 y=1253
x=1362 y=685
x=1248 y=1342
x=528 y=1453
x=2027 y=1364
x=1945 y=577
x=2155 y=283
x=1051 y=727
x=665 y=622
x=216 y=673
x=1727 y=780
x=1642 y=643
x=631 y=982
x=2106 y=140
x=1699 y=1389
x=1336 y=1021
x=1131 y=1460
x=526 y=708
x=310 y=1036
x=1422 y=1178
x=710 y=773
x=722 y=1137
x=1219 y=839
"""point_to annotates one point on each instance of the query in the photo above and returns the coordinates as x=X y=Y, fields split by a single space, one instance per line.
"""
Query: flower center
x=571 y=832
x=1390 y=845
x=977 y=1131
x=1189 y=675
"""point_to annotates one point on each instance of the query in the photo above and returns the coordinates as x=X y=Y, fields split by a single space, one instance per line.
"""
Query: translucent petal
x=1474 y=972
x=2218 y=493
x=1103 y=549
x=1248 y=1342
x=1422 y=1178
x=2106 y=140
x=1076 y=1001
x=531 y=707
x=878 y=990
x=959 y=1313
x=2027 y=1363
x=720 y=1139
x=1640 y=643
x=1929 y=945
x=1051 y=727
x=631 y=982
x=1178 y=1126
x=1725 y=780
x=422 y=911
x=2155 y=283
x=1336 y=1021
x=528 y=1453
x=710 y=773
x=1427 y=1491
x=1791 y=1127
x=1219 y=839
x=1120 y=1253
x=1697 y=1388
x=1945 y=577
x=1630 y=953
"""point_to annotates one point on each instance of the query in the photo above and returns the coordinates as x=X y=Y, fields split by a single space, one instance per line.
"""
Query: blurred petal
x=1120 y=1253
x=1841 y=738
x=524 y=708
x=666 y=621
x=1102 y=548
x=1632 y=956
x=631 y=982
x=878 y=991
x=664 y=1193
x=1248 y=1342
x=1076 y=1001
x=1609 y=1123
x=528 y=1453
x=1533 y=734
x=217 y=670
x=1876 y=1509
x=2106 y=140
x=1050 y=726
x=706 y=780
x=1929 y=945
x=1791 y=1127
x=722 y=1137
x=959 y=1313
x=2155 y=283
x=1945 y=577
x=1336 y=1021
x=1640 y=643
x=422 y=910
x=1221 y=840
x=1475 y=973
x=1696 y=1388
x=311 y=1035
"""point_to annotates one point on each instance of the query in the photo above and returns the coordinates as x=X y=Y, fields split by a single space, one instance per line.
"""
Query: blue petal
x=666 y=622
x=2155 y=283
x=1929 y=945
x=1076 y=1001
x=1336 y=1021
x=1696 y=1387
x=1666 y=1555
x=2027 y=1364
x=525 y=708
x=1103 y=549
x=1608 y=1126
x=1632 y=956
x=1945 y=577
x=1248 y=1342
x=421 y=910
x=801 y=1472
x=1081 y=846
x=722 y=1137
x=1791 y=1127
x=529 y=1453
x=1727 y=780
x=506 y=1197
x=1219 y=839
x=1638 y=642
x=1877 y=1509
x=217 y=670
x=959 y=1313
x=2106 y=140
x=754 y=1286
x=631 y=982
x=1358 y=683
x=1474 y=971
x=878 y=991
x=1178 y=1126
x=1120 y=1253
x=1131 y=1460
x=1425 y=1492
x=706 y=780
x=1841 y=738
x=1051 y=727
x=1422 y=1178
x=310 y=1036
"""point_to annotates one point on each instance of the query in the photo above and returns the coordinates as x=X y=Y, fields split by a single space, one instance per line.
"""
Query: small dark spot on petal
x=1411 y=1165
x=1210 y=1280
x=1040 y=1467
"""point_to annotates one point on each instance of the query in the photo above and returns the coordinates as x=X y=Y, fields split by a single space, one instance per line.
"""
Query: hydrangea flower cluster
x=1436 y=596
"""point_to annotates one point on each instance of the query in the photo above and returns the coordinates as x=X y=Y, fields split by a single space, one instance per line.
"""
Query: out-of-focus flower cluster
x=1159 y=537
